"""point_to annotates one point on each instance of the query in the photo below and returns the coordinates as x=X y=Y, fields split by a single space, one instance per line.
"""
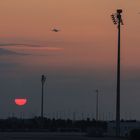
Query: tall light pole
x=97 y=104
x=117 y=20
x=43 y=79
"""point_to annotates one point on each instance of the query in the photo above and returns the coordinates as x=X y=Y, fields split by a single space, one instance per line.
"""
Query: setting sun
x=20 y=102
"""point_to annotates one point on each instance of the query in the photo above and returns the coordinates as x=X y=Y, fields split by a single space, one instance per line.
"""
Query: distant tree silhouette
x=52 y=125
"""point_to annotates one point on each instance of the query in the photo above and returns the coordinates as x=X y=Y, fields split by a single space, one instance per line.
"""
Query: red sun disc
x=20 y=102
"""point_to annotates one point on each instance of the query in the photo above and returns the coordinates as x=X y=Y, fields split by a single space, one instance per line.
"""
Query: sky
x=77 y=60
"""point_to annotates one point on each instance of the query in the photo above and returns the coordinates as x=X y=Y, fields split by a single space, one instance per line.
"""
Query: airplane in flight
x=55 y=30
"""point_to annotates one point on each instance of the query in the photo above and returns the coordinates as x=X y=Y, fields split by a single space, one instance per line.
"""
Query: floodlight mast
x=117 y=20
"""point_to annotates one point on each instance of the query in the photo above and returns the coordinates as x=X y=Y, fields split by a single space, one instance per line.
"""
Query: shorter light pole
x=97 y=104
x=43 y=79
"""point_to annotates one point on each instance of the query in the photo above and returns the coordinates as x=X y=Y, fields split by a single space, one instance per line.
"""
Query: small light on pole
x=117 y=20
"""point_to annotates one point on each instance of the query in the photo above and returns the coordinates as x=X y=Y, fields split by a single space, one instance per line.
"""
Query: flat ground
x=48 y=136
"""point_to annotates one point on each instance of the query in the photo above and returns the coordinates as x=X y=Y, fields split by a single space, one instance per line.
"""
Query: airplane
x=55 y=30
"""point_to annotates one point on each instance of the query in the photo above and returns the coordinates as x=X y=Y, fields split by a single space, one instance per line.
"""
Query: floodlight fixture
x=114 y=19
x=117 y=18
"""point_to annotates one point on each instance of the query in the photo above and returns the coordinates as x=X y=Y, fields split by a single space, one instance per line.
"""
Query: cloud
x=8 y=52
x=16 y=44
x=29 y=49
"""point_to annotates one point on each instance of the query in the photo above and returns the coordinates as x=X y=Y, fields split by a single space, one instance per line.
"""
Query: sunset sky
x=78 y=59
